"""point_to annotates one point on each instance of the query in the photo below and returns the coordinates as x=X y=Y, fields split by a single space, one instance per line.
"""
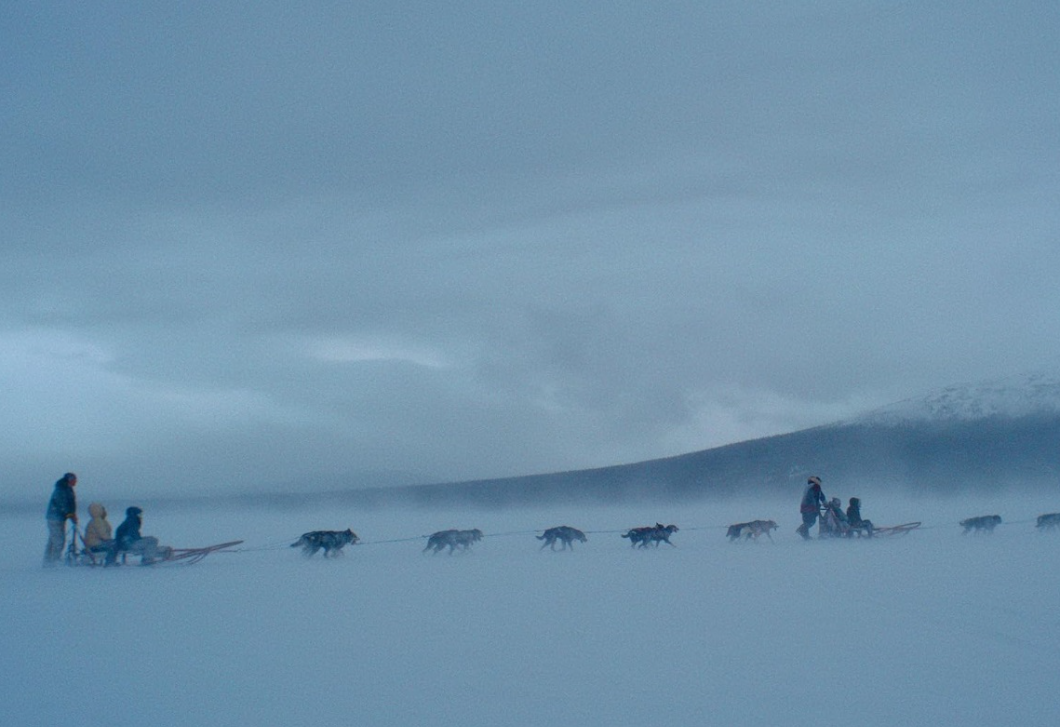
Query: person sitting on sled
x=855 y=520
x=129 y=540
x=833 y=521
x=837 y=509
x=98 y=535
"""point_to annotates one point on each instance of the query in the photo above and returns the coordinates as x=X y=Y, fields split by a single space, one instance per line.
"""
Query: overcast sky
x=288 y=244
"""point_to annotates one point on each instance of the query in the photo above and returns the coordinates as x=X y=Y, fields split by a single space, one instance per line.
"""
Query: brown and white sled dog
x=644 y=536
x=565 y=534
x=981 y=524
x=330 y=541
x=1049 y=521
x=754 y=529
x=453 y=539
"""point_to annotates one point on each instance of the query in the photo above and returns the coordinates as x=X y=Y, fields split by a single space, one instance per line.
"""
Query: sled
x=183 y=556
x=896 y=529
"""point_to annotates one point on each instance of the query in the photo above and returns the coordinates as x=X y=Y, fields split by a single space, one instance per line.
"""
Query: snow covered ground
x=933 y=628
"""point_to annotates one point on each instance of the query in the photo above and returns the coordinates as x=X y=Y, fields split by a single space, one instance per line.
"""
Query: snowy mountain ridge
x=1013 y=396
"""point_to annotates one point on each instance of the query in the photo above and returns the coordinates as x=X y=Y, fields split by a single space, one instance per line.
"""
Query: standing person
x=812 y=499
x=61 y=507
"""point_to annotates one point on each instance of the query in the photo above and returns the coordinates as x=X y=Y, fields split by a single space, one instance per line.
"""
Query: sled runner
x=896 y=529
x=190 y=556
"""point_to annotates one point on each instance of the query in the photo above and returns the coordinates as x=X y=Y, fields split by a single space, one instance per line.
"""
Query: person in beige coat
x=99 y=537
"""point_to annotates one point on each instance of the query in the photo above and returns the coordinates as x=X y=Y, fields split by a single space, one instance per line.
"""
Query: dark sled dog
x=330 y=541
x=754 y=529
x=981 y=524
x=565 y=534
x=453 y=539
x=1049 y=521
x=644 y=536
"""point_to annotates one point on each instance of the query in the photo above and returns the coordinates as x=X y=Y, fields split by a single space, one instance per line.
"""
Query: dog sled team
x=751 y=530
x=330 y=541
x=453 y=539
x=650 y=535
x=987 y=523
x=103 y=545
x=564 y=534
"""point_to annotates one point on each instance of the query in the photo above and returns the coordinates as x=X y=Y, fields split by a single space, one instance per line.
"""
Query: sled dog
x=983 y=523
x=453 y=539
x=643 y=536
x=331 y=541
x=1049 y=521
x=754 y=529
x=565 y=534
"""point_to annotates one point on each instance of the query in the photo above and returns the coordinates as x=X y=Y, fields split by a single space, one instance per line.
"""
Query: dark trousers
x=53 y=553
x=808 y=520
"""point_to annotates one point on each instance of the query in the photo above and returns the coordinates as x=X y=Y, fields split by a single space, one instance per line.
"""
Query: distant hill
x=980 y=455
x=983 y=437
x=971 y=438
x=977 y=437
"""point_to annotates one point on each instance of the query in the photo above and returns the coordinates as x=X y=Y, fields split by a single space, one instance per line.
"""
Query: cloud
x=482 y=241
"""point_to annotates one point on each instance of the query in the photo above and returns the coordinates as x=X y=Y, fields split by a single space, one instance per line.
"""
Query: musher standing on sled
x=810 y=507
x=61 y=507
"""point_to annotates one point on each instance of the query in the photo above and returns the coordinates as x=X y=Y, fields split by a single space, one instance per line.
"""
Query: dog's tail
x=540 y=537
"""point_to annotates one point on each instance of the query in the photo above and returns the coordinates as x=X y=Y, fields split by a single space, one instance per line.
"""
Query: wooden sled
x=181 y=556
x=896 y=529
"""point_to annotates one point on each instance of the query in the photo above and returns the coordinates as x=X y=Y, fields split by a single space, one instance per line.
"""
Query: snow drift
x=930 y=628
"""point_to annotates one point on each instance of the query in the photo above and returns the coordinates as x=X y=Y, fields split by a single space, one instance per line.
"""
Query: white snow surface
x=931 y=628
x=1014 y=396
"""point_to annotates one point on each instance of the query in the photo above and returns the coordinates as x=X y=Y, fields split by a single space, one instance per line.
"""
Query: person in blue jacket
x=61 y=507
x=127 y=539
